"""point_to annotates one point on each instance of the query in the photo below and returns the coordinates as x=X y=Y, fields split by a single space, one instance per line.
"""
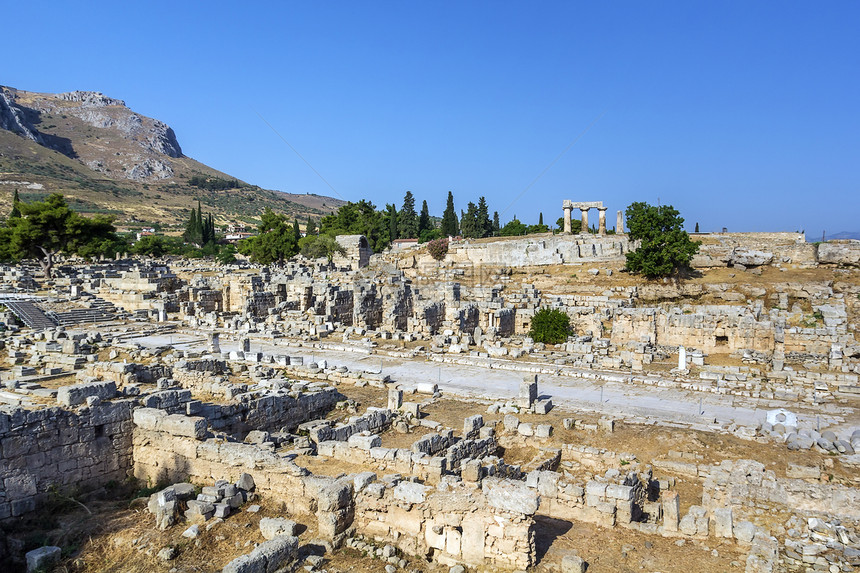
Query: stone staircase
x=29 y=314
x=98 y=311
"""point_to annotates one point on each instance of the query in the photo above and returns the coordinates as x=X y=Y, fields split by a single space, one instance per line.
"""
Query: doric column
x=601 y=221
x=584 y=228
x=568 y=207
x=619 y=225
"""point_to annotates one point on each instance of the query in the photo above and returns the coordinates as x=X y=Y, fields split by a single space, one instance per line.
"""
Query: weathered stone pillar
x=568 y=207
x=619 y=224
x=671 y=510
x=601 y=221
x=584 y=228
x=214 y=342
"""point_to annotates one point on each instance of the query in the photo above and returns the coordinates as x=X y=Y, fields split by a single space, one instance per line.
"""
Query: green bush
x=550 y=326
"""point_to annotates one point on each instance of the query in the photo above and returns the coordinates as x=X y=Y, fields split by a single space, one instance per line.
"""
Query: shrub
x=438 y=248
x=550 y=326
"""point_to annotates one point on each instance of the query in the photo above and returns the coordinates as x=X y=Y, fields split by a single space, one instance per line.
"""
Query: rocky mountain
x=107 y=158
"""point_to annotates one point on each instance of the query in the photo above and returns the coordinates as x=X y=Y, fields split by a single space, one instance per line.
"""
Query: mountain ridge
x=107 y=158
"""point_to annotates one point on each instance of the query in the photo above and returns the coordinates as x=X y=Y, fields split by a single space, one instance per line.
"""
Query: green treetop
x=665 y=247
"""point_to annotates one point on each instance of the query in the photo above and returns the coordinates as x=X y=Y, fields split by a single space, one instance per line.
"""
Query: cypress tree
x=297 y=232
x=540 y=219
x=496 y=226
x=450 y=225
x=407 y=225
x=483 y=224
x=311 y=227
x=16 y=212
x=424 y=220
x=188 y=234
x=393 y=227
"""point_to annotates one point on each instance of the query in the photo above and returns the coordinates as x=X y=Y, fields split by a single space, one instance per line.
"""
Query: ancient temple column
x=584 y=228
x=601 y=221
x=568 y=207
x=619 y=225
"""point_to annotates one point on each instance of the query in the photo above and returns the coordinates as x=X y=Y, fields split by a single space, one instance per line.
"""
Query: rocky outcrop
x=13 y=118
x=839 y=253
x=145 y=144
x=90 y=99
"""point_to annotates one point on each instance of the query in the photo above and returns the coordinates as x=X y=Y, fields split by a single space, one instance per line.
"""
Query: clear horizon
x=741 y=115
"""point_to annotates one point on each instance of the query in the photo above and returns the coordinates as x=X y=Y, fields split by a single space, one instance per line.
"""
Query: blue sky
x=743 y=115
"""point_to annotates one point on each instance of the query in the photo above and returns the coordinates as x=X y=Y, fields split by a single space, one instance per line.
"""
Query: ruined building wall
x=722 y=330
x=53 y=447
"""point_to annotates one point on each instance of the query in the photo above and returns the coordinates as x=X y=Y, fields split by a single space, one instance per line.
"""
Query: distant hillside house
x=400 y=244
x=233 y=237
x=234 y=228
x=145 y=232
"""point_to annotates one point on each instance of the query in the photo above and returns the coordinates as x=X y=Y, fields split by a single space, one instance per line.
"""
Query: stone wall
x=69 y=450
x=492 y=527
x=542 y=250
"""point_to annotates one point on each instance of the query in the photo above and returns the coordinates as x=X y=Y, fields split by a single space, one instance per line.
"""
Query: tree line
x=41 y=230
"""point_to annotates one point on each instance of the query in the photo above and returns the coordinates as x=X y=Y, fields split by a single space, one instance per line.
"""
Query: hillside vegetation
x=104 y=158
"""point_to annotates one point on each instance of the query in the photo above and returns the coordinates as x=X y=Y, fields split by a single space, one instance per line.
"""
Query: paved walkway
x=609 y=398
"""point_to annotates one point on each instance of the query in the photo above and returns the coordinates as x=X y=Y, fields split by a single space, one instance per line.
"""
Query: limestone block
x=525 y=429
x=410 y=492
x=362 y=480
x=572 y=563
x=511 y=423
x=723 y=522
x=187 y=426
x=78 y=393
x=744 y=531
x=620 y=492
x=543 y=430
x=42 y=558
x=148 y=419
x=542 y=407
x=472 y=425
x=510 y=496
x=222 y=510
x=334 y=496
x=271 y=527
x=268 y=557
x=364 y=442
x=671 y=510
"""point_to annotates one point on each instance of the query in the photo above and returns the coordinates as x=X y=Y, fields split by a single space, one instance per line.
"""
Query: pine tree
x=407 y=226
x=450 y=225
x=424 y=220
x=484 y=225
x=16 y=212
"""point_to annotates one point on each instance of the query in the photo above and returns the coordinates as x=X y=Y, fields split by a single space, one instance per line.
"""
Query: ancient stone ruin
x=394 y=408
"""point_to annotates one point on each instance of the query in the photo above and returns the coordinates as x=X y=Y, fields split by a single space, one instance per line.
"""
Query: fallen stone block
x=271 y=527
x=42 y=558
